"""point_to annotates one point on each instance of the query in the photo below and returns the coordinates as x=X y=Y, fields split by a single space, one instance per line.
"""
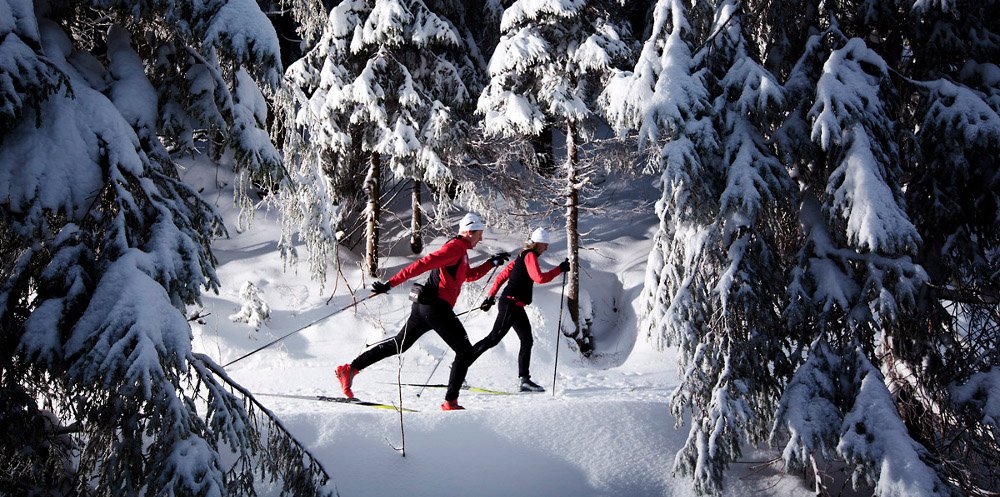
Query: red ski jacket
x=452 y=260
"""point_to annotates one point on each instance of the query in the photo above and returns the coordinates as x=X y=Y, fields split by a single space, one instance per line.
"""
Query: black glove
x=488 y=303
x=380 y=287
x=499 y=258
x=564 y=266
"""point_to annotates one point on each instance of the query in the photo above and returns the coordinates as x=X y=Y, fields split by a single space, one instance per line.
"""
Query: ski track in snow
x=607 y=431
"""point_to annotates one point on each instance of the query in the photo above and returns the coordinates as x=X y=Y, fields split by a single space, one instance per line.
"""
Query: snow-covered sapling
x=253 y=310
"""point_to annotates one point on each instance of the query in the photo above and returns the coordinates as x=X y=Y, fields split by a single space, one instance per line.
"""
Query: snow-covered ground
x=607 y=430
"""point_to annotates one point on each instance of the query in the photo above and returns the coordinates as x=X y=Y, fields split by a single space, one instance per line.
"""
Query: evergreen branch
x=976 y=296
x=303 y=479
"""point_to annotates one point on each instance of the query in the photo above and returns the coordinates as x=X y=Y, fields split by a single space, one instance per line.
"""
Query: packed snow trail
x=606 y=431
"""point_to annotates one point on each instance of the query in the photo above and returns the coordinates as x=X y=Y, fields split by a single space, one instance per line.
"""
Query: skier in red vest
x=434 y=308
x=520 y=275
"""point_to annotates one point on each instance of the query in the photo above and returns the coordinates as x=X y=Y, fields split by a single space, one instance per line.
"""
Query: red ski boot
x=451 y=405
x=346 y=374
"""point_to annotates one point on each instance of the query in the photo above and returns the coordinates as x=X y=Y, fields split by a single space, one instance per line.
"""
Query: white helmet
x=471 y=222
x=541 y=236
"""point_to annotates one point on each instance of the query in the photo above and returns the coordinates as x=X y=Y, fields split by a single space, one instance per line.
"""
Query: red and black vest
x=520 y=286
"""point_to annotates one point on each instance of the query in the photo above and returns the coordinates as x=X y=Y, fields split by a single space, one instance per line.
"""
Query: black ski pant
x=439 y=317
x=509 y=315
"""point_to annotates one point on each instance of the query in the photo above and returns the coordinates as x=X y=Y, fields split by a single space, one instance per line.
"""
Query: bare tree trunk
x=372 y=182
x=581 y=334
x=572 y=229
x=416 y=221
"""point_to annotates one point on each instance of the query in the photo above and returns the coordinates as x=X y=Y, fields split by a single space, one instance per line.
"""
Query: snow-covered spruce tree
x=931 y=327
x=889 y=140
x=103 y=248
x=666 y=100
x=952 y=334
x=552 y=61
x=201 y=93
x=855 y=280
x=712 y=287
x=317 y=156
x=735 y=362
x=389 y=84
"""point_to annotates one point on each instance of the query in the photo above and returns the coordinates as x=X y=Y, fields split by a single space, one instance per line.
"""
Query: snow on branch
x=506 y=113
x=518 y=51
x=808 y=411
x=26 y=79
x=523 y=10
x=245 y=34
x=128 y=332
x=961 y=113
x=876 y=442
x=261 y=442
x=601 y=50
x=860 y=191
x=847 y=90
x=983 y=390
x=985 y=77
x=429 y=28
x=384 y=25
x=926 y=6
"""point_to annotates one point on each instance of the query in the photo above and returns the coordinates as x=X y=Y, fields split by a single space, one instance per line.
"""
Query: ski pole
x=555 y=366
x=272 y=342
x=422 y=387
x=446 y=351
x=466 y=312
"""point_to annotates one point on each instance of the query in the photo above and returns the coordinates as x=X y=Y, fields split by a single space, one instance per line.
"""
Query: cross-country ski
x=337 y=400
x=464 y=387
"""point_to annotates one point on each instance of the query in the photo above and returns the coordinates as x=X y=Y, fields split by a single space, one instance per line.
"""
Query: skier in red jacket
x=434 y=308
x=520 y=275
